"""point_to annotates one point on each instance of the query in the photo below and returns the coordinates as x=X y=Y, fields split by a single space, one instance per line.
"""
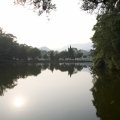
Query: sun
x=18 y=102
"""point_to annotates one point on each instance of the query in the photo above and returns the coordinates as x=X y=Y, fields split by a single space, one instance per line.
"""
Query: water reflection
x=57 y=95
x=47 y=92
x=10 y=73
x=106 y=93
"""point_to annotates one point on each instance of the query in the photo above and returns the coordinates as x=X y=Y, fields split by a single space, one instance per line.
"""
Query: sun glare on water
x=19 y=102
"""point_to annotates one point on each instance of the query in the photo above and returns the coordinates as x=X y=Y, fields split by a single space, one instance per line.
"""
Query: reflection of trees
x=10 y=73
x=52 y=67
x=44 y=66
x=71 y=68
x=106 y=93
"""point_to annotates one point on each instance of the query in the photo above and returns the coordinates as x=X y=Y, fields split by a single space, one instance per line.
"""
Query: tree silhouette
x=52 y=55
x=40 y=6
x=71 y=53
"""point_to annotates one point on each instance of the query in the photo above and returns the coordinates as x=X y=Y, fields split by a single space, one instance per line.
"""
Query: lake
x=47 y=92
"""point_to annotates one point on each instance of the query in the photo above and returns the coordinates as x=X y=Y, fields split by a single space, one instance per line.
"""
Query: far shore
x=43 y=61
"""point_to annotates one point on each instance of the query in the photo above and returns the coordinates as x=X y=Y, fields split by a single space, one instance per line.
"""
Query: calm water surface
x=46 y=92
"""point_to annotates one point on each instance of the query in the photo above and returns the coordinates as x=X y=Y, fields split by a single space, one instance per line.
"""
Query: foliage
x=11 y=50
x=34 y=53
x=45 y=54
x=71 y=53
x=106 y=39
x=101 y=5
x=78 y=54
x=52 y=55
x=56 y=55
x=40 y=6
x=63 y=54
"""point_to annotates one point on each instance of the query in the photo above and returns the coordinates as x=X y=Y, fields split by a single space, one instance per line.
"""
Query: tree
x=40 y=6
x=63 y=54
x=7 y=45
x=56 y=56
x=106 y=39
x=71 y=53
x=100 y=5
x=52 y=55
x=88 y=5
x=11 y=50
x=34 y=53
x=22 y=52
x=45 y=56
x=79 y=54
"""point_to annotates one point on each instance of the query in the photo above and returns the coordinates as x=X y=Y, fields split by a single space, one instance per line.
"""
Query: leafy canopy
x=47 y=6
x=100 y=5
x=40 y=6
x=106 y=39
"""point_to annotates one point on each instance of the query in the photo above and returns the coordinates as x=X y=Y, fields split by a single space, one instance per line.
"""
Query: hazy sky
x=67 y=25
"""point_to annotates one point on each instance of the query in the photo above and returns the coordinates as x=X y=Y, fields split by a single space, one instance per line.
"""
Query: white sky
x=68 y=25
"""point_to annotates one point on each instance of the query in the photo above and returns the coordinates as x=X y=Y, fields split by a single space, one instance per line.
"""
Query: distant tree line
x=106 y=38
x=72 y=53
x=64 y=55
x=10 y=50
